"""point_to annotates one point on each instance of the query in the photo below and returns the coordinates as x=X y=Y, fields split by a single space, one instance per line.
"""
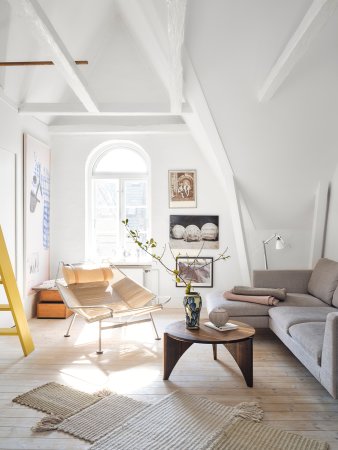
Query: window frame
x=122 y=178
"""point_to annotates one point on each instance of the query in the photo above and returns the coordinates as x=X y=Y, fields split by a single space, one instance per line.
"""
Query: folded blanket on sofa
x=247 y=290
x=260 y=299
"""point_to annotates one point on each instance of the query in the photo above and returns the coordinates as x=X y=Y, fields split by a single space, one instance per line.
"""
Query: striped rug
x=177 y=422
x=184 y=422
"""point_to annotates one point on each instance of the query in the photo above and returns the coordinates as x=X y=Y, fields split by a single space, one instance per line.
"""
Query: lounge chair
x=99 y=293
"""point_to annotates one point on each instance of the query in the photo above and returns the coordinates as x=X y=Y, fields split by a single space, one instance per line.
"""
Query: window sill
x=133 y=265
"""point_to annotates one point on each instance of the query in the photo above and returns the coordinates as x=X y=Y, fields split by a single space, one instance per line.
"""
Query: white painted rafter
x=118 y=129
x=62 y=59
x=106 y=109
x=204 y=130
x=176 y=21
x=316 y=16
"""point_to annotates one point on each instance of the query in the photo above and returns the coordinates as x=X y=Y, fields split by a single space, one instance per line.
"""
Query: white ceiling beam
x=317 y=15
x=117 y=130
x=106 y=109
x=62 y=59
x=204 y=130
x=176 y=21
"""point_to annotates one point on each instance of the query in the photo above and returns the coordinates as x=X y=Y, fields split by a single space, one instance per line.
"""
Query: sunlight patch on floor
x=91 y=378
x=90 y=374
x=89 y=333
x=132 y=332
x=135 y=378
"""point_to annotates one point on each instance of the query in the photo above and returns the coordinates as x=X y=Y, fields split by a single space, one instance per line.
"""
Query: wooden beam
x=33 y=63
x=106 y=109
x=60 y=55
x=317 y=15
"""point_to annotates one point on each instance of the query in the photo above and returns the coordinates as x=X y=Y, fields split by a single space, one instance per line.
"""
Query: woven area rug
x=184 y=422
x=56 y=399
x=94 y=422
x=178 y=421
x=256 y=436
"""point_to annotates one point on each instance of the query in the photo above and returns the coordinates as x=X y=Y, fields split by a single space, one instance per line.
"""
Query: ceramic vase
x=193 y=304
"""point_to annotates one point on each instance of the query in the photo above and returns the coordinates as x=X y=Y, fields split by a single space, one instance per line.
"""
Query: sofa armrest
x=291 y=280
x=329 y=363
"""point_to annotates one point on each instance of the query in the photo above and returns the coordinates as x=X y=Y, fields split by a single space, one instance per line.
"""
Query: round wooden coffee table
x=177 y=340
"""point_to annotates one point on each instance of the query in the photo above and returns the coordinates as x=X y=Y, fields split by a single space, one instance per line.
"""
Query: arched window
x=119 y=175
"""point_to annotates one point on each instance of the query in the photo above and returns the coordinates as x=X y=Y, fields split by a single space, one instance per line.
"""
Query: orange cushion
x=74 y=275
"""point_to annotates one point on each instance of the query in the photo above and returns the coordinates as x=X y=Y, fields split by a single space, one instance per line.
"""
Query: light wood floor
x=132 y=365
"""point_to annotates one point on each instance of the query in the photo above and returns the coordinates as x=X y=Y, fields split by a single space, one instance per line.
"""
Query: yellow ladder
x=7 y=279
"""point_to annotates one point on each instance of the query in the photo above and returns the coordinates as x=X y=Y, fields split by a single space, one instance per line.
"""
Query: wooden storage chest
x=50 y=305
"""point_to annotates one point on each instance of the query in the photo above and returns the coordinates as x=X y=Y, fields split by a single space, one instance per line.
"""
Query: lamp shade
x=279 y=243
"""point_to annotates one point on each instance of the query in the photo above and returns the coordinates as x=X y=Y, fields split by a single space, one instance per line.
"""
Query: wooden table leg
x=214 y=350
x=173 y=349
x=242 y=354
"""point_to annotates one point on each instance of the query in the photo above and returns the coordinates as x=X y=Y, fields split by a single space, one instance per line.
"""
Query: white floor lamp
x=279 y=246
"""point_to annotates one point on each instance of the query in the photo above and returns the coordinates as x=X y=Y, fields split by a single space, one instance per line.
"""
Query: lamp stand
x=265 y=258
x=279 y=245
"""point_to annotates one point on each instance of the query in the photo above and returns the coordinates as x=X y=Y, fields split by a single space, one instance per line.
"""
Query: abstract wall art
x=36 y=212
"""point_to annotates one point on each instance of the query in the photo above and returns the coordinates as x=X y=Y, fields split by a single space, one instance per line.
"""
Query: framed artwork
x=194 y=232
x=36 y=212
x=182 y=188
x=198 y=271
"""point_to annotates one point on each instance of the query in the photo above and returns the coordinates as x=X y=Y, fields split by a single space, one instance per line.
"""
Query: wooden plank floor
x=132 y=365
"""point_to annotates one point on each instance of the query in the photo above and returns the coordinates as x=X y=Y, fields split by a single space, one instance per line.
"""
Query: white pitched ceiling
x=118 y=71
x=278 y=150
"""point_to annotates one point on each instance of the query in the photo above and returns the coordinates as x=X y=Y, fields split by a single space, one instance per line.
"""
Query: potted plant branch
x=192 y=300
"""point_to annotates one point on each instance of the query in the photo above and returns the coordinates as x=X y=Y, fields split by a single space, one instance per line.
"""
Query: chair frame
x=130 y=312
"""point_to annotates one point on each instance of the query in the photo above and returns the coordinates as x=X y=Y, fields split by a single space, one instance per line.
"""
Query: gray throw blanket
x=247 y=290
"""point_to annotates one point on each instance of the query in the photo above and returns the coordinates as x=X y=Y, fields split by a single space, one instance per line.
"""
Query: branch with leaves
x=149 y=247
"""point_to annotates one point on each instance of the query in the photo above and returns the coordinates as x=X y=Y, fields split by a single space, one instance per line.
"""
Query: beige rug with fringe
x=178 y=421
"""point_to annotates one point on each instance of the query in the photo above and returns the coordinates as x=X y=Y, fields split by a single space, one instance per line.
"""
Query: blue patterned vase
x=193 y=304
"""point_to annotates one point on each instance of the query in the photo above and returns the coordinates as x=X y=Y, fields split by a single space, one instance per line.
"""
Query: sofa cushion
x=310 y=336
x=295 y=299
x=324 y=280
x=335 y=298
x=235 y=308
x=286 y=316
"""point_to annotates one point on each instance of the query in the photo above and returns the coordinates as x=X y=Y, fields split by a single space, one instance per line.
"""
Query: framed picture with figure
x=197 y=271
x=182 y=189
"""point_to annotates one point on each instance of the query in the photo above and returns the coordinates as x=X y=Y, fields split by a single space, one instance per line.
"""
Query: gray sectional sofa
x=306 y=322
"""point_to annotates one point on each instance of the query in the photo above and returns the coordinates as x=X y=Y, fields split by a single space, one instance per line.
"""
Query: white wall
x=295 y=254
x=279 y=150
x=68 y=206
x=12 y=128
x=331 y=242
